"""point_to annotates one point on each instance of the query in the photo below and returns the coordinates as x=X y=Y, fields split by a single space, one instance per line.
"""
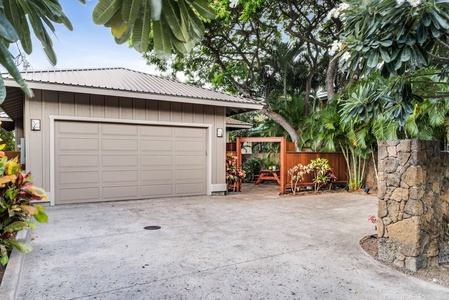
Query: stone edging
x=10 y=282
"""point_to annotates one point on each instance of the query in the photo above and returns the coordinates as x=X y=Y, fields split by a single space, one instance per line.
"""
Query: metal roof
x=129 y=83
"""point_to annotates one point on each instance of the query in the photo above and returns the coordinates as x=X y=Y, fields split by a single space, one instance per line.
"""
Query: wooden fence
x=336 y=162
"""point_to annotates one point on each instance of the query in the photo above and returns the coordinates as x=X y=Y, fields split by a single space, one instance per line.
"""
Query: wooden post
x=283 y=165
x=238 y=150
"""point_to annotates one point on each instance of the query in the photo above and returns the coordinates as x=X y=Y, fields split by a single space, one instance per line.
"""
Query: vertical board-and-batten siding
x=46 y=103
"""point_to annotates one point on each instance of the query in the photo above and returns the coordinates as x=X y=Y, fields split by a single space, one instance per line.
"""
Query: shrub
x=323 y=174
x=297 y=175
x=16 y=193
x=322 y=171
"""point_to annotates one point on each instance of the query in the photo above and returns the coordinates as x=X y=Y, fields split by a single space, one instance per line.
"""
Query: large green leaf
x=2 y=91
x=182 y=48
x=14 y=227
x=406 y=54
x=21 y=246
x=384 y=54
x=41 y=217
x=142 y=27
x=161 y=38
x=4 y=259
x=176 y=19
x=437 y=19
x=105 y=10
x=7 y=31
x=197 y=28
x=203 y=8
x=130 y=10
x=118 y=27
x=17 y=16
x=373 y=59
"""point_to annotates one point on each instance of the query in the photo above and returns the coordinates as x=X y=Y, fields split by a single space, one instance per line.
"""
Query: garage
x=107 y=134
x=97 y=161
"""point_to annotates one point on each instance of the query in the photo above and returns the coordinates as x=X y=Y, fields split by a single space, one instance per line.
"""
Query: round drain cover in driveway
x=152 y=227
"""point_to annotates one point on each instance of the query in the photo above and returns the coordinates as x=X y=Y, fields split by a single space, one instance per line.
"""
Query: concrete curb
x=10 y=282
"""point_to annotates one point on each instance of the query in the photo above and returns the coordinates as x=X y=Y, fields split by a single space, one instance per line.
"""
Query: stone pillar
x=413 y=208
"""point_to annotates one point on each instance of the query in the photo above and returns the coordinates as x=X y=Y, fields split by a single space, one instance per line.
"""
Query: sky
x=87 y=46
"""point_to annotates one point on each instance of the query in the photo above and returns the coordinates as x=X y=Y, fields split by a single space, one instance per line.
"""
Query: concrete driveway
x=259 y=246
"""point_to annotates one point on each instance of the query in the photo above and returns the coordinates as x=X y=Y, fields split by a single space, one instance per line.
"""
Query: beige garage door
x=105 y=161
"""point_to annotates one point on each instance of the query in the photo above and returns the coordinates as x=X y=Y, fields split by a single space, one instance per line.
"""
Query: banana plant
x=162 y=25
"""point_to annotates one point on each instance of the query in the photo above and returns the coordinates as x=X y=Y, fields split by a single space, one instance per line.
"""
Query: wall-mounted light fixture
x=219 y=132
x=35 y=124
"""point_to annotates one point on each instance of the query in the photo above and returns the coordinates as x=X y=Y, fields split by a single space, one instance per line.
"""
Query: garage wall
x=46 y=103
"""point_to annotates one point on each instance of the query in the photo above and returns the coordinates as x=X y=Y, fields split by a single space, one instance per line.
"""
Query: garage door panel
x=120 y=192
x=119 y=145
x=119 y=160
x=76 y=195
x=156 y=161
x=85 y=128
x=189 y=189
x=120 y=176
x=189 y=146
x=157 y=176
x=159 y=190
x=189 y=160
x=79 y=177
x=189 y=174
x=75 y=144
x=119 y=129
x=106 y=162
x=156 y=145
x=181 y=132
x=157 y=131
x=79 y=161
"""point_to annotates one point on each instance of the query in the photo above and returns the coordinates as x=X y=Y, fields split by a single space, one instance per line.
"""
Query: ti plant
x=16 y=193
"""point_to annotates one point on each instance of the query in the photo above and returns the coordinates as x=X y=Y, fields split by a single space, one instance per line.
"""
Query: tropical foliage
x=322 y=174
x=161 y=25
x=16 y=193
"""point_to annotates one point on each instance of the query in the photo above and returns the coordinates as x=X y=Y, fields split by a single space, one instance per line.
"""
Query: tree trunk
x=284 y=123
x=330 y=75
x=308 y=89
